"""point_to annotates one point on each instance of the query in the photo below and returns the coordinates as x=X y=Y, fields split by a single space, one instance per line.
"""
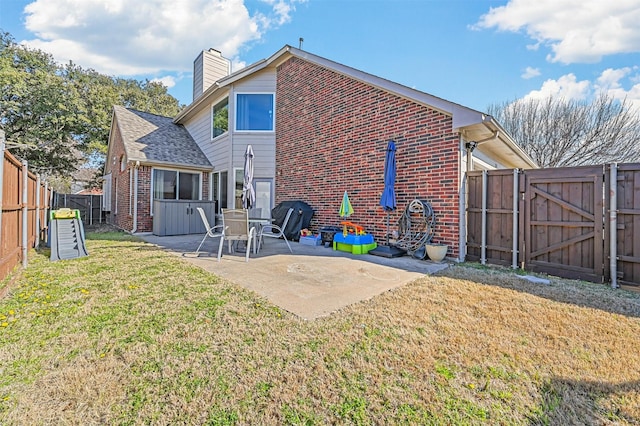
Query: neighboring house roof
x=93 y=191
x=474 y=125
x=157 y=140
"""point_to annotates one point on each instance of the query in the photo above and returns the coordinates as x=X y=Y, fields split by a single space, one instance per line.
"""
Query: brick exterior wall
x=331 y=135
x=119 y=184
x=120 y=191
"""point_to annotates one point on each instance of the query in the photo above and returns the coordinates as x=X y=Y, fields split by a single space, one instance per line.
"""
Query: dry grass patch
x=132 y=335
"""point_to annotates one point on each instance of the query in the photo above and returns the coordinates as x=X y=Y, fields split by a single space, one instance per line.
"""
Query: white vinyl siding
x=226 y=152
x=208 y=68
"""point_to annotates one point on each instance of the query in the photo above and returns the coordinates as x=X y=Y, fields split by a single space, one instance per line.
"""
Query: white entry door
x=264 y=195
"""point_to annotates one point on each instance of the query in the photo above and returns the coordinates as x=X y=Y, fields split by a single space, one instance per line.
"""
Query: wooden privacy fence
x=90 y=206
x=24 y=203
x=564 y=221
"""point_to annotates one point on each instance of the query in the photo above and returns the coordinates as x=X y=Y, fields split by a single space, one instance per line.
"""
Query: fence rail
x=90 y=206
x=574 y=222
x=24 y=204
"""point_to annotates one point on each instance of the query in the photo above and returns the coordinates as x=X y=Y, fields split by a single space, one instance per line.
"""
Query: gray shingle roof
x=151 y=138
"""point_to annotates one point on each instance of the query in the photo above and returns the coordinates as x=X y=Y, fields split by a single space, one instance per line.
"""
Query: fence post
x=38 y=189
x=25 y=211
x=514 y=247
x=2 y=148
x=47 y=206
x=483 y=246
x=613 y=225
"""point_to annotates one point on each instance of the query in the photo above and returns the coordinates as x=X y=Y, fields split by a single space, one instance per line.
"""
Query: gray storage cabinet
x=171 y=217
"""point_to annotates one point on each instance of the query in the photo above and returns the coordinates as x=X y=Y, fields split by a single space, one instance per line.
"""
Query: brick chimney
x=208 y=68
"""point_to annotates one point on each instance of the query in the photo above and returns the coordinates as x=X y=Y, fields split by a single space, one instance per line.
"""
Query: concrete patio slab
x=312 y=282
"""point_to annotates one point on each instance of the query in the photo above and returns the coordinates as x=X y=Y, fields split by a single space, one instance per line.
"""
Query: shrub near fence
x=24 y=202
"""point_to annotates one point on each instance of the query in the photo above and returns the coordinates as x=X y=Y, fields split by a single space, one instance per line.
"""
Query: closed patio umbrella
x=388 y=200
x=346 y=210
x=248 y=193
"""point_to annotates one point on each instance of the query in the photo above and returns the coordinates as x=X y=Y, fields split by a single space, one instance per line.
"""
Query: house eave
x=169 y=164
x=467 y=121
x=492 y=139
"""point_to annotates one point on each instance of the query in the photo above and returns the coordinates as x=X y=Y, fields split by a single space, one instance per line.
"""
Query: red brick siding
x=120 y=185
x=122 y=219
x=331 y=136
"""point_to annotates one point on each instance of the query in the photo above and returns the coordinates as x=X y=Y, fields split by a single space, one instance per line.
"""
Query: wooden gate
x=498 y=216
x=563 y=222
x=628 y=225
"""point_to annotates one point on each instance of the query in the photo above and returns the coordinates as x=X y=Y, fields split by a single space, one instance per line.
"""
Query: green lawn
x=133 y=335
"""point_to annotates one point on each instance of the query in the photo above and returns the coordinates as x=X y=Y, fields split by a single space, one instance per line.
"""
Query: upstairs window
x=220 y=118
x=255 y=112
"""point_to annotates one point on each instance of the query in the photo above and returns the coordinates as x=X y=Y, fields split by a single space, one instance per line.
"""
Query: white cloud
x=575 y=30
x=148 y=36
x=567 y=87
x=619 y=83
x=530 y=72
x=613 y=82
x=610 y=78
x=283 y=9
x=168 y=81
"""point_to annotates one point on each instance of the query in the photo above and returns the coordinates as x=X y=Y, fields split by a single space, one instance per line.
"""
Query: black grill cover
x=300 y=217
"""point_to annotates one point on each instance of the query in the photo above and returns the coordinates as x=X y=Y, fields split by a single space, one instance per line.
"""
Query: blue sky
x=472 y=52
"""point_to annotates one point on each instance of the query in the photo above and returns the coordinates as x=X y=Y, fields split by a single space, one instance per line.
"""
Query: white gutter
x=170 y=164
x=508 y=141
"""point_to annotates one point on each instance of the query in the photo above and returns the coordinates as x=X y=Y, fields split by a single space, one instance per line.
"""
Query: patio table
x=258 y=222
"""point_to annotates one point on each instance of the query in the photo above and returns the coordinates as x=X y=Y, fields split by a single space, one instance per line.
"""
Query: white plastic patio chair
x=212 y=231
x=272 y=230
x=235 y=224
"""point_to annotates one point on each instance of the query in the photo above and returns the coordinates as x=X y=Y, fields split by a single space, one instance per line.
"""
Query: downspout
x=25 y=212
x=613 y=225
x=469 y=147
x=135 y=197
x=462 y=220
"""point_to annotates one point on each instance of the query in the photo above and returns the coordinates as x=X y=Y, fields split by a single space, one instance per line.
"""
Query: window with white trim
x=219 y=187
x=220 y=118
x=176 y=185
x=255 y=112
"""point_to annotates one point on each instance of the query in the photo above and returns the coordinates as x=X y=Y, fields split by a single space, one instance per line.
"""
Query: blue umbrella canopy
x=248 y=193
x=388 y=198
x=346 y=209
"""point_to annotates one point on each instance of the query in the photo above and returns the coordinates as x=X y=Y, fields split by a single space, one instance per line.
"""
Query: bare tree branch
x=556 y=132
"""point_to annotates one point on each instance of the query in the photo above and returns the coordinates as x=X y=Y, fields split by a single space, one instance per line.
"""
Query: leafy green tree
x=38 y=108
x=58 y=117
